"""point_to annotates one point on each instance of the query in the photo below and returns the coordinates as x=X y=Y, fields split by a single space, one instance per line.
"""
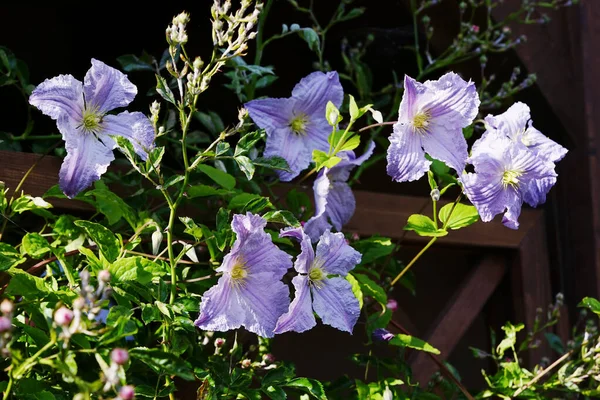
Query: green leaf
x=162 y=362
x=413 y=342
x=221 y=178
x=282 y=217
x=119 y=319
x=205 y=191
x=311 y=38
x=423 y=226
x=374 y=248
x=36 y=205
x=354 y=112
x=24 y=284
x=211 y=121
x=371 y=288
x=191 y=228
x=111 y=205
x=332 y=114
x=351 y=143
x=356 y=289
x=139 y=269
x=462 y=215
x=222 y=148
x=162 y=87
x=172 y=180
x=107 y=242
x=592 y=304
x=35 y=245
x=468 y=131
x=246 y=166
x=555 y=342
x=249 y=202
x=247 y=142
x=323 y=160
x=130 y=62
x=277 y=163
x=510 y=338
x=310 y=386
x=9 y=257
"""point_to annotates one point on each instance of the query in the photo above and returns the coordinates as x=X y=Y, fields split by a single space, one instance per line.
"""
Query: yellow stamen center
x=511 y=177
x=91 y=121
x=316 y=274
x=298 y=124
x=420 y=122
x=238 y=273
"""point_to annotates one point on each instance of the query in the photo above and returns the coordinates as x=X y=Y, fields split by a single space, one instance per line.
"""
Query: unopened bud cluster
x=176 y=33
x=7 y=308
x=112 y=375
x=233 y=30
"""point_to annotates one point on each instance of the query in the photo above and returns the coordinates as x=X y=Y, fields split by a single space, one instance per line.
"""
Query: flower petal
x=107 y=88
x=535 y=193
x=542 y=145
x=270 y=113
x=307 y=255
x=316 y=134
x=221 y=309
x=512 y=122
x=264 y=299
x=58 y=97
x=335 y=255
x=284 y=143
x=87 y=159
x=405 y=157
x=135 y=127
x=335 y=303
x=314 y=91
x=341 y=171
x=447 y=145
x=513 y=209
x=319 y=223
x=413 y=90
x=300 y=316
x=452 y=103
x=486 y=193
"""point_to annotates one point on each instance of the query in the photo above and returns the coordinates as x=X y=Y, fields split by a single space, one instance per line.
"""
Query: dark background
x=62 y=39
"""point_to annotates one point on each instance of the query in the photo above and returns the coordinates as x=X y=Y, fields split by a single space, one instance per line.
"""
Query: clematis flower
x=297 y=125
x=505 y=176
x=334 y=200
x=332 y=297
x=516 y=124
x=250 y=292
x=80 y=111
x=431 y=118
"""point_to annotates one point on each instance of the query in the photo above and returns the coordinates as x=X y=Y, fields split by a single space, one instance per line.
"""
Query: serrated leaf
x=221 y=178
x=462 y=215
x=35 y=245
x=282 y=217
x=163 y=89
x=26 y=285
x=107 y=242
x=423 y=226
x=413 y=342
x=247 y=142
x=310 y=386
x=139 y=269
x=277 y=163
x=246 y=166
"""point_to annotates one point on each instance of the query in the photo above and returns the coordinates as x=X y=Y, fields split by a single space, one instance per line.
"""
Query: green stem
x=413 y=261
x=413 y=7
x=435 y=221
x=8 y=388
x=31 y=361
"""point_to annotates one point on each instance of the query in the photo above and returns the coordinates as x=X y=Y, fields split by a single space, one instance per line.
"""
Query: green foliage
x=424 y=226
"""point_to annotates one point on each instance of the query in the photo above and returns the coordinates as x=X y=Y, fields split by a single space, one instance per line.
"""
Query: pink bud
x=355 y=236
x=246 y=363
x=475 y=28
x=269 y=358
x=63 y=316
x=302 y=223
x=6 y=306
x=119 y=356
x=219 y=342
x=104 y=276
x=127 y=392
x=392 y=305
x=5 y=324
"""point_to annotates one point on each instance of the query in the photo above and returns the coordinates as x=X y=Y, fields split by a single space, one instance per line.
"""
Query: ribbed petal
x=447 y=145
x=405 y=157
x=87 y=159
x=106 y=88
x=453 y=102
x=334 y=255
x=307 y=254
x=300 y=316
x=535 y=193
x=264 y=299
x=316 y=134
x=542 y=145
x=335 y=303
x=271 y=113
x=285 y=143
x=512 y=122
x=314 y=91
x=135 y=127
x=513 y=209
x=221 y=309
x=319 y=223
x=413 y=90
x=58 y=97
x=486 y=193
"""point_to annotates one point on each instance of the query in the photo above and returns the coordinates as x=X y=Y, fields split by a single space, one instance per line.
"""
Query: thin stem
x=413 y=7
x=440 y=364
x=8 y=388
x=414 y=260
x=376 y=125
x=31 y=361
x=543 y=372
x=435 y=220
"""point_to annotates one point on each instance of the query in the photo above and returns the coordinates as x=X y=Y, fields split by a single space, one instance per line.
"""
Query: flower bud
x=6 y=306
x=268 y=358
x=392 y=305
x=246 y=363
x=63 y=316
x=5 y=324
x=104 y=276
x=388 y=394
x=219 y=342
x=382 y=335
x=435 y=194
x=127 y=392
x=119 y=356
x=78 y=304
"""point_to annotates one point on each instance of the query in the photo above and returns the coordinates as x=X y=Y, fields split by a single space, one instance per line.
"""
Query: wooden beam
x=460 y=312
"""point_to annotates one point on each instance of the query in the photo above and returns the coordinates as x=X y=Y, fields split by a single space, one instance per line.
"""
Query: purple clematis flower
x=516 y=124
x=431 y=118
x=297 y=125
x=334 y=200
x=80 y=111
x=250 y=292
x=505 y=171
x=332 y=297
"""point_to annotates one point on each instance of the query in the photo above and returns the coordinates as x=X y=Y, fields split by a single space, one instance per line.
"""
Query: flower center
x=298 y=124
x=420 y=122
x=511 y=177
x=238 y=273
x=91 y=121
